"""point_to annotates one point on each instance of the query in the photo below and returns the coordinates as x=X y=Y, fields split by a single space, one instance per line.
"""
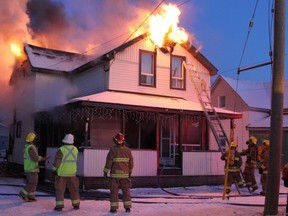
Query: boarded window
x=222 y=101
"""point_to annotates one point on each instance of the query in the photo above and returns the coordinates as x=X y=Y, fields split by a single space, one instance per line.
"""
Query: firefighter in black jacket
x=119 y=162
x=263 y=165
x=250 y=164
x=235 y=163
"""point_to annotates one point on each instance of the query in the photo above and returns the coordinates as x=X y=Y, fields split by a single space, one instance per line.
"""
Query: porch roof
x=151 y=101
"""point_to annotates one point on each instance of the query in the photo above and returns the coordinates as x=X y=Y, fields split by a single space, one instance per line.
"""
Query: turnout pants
x=31 y=185
x=249 y=175
x=72 y=184
x=124 y=184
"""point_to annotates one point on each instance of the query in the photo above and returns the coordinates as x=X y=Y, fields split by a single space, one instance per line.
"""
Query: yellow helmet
x=253 y=140
x=266 y=142
x=233 y=144
x=30 y=137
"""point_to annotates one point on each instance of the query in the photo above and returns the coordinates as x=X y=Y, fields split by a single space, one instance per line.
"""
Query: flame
x=16 y=50
x=164 y=27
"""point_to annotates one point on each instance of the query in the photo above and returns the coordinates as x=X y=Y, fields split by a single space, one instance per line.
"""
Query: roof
x=149 y=101
x=49 y=59
x=55 y=60
x=190 y=48
x=250 y=91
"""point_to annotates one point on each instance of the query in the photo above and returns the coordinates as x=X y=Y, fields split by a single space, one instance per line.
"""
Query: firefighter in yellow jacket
x=250 y=164
x=65 y=168
x=119 y=162
x=235 y=163
x=263 y=165
x=31 y=168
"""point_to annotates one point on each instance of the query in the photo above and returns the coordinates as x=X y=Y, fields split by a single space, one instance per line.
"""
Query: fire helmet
x=30 y=137
x=266 y=142
x=68 y=139
x=253 y=140
x=119 y=139
x=233 y=144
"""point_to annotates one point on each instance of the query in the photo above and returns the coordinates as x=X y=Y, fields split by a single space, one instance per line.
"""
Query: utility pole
x=276 y=137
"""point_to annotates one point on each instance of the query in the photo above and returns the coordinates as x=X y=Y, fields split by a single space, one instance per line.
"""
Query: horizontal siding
x=202 y=163
x=48 y=86
x=145 y=162
x=125 y=69
x=91 y=82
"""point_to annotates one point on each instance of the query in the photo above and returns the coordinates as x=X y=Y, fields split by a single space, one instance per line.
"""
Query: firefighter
x=263 y=165
x=235 y=163
x=65 y=168
x=250 y=164
x=285 y=180
x=31 y=168
x=119 y=162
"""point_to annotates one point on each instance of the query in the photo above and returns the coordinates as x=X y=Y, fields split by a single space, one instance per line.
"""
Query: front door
x=169 y=147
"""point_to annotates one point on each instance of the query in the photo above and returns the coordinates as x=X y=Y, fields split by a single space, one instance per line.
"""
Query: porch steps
x=209 y=110
x=170 y=171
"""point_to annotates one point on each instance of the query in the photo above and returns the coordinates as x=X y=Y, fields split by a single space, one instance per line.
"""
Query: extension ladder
x=209 y=110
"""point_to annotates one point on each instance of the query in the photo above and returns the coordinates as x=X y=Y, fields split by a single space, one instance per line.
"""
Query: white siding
x=52 y=90
x=91 y=81
x=91 y=162
x=124 y=72
x=202 y=163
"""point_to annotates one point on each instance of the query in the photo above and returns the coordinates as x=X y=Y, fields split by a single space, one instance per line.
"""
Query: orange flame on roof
x=16 y=50
x=164 y=27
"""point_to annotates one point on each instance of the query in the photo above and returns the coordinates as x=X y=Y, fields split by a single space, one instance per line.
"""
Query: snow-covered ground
x=198 y=201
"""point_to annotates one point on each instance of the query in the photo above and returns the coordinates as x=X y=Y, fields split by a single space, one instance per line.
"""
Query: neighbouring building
x=138 y=89
x=253 y=100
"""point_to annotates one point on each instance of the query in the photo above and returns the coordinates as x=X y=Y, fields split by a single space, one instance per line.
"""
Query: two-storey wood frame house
x=138 y=89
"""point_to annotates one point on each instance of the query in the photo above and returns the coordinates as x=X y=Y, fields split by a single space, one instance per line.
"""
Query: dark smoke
x=45 y=16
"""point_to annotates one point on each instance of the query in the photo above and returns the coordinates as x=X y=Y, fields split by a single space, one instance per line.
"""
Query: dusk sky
x=221 y=28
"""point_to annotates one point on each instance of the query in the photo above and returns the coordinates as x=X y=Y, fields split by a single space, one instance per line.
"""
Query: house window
x=141 y=135
x=221 y=101
x=147 y=68
x=177 y=74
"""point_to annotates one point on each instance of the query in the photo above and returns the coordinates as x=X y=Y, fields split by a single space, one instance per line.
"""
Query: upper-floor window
x=221 y=101
x=147 y=75
x=177 y=74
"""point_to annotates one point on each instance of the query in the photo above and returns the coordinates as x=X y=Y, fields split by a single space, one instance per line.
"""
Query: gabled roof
x=56 y=60
x=110 y=55
x=254 y=94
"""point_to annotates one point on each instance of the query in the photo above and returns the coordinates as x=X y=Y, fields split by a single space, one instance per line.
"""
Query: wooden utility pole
x=274 y=167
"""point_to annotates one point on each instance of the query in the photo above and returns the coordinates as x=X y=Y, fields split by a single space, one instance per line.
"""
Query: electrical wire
x=138 y=28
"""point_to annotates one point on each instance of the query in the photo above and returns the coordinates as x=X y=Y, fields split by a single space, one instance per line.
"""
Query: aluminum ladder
x=209 y=110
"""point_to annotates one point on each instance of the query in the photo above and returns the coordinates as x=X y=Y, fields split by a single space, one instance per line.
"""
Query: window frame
x=183 y=72
x=153 y=68
x=222 y=101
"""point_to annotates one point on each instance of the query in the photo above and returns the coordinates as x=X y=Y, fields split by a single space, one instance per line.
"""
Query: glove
x=260 y=170
x=105 y=174
x=286 y=183
x=46 y=158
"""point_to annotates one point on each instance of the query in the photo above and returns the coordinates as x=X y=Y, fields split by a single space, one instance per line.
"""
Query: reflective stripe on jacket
x=68 y=166
x=29 y=164
x=119 y=161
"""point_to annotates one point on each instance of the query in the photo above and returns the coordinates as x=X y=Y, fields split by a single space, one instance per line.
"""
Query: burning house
x=141 y=88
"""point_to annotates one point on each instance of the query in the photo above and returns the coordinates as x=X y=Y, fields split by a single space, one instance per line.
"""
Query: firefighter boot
x=113 y=210
x=128 y=210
